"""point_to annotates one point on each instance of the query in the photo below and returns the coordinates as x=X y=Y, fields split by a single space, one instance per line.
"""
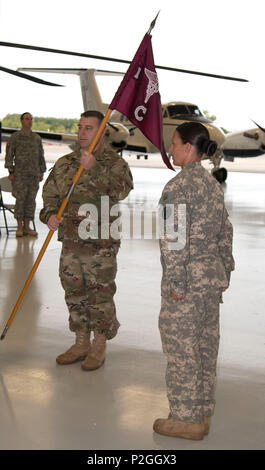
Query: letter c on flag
x=138 y=109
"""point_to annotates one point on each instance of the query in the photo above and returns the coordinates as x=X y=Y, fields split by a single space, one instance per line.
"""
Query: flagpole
x=152 y=25
x=51 y=232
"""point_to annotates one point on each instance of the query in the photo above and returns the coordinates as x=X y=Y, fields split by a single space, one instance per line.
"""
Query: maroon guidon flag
x=138 y=97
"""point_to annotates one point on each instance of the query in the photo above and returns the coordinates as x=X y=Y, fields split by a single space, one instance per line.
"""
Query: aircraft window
x=177 y=109
x=180 y=109
x=195 y=110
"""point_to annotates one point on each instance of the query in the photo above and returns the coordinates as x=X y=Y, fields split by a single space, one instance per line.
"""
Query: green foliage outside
x=60 y=125
x=45 y=124
x=213 y=118
x=209 y=116
x=225 y=131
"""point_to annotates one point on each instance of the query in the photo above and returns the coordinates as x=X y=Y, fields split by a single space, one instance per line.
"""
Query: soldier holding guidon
x=88 y=264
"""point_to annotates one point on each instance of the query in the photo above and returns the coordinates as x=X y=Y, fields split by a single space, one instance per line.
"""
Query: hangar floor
x=46 y=406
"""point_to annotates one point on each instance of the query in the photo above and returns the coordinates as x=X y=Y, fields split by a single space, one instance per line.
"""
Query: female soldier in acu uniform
x=194 y=277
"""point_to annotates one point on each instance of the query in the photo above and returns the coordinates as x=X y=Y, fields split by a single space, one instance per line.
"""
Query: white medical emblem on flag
x=152 y=86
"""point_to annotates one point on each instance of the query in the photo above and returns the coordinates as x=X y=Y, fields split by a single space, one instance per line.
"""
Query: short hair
x=22 y=115
x=92 y=113
x=198 y=136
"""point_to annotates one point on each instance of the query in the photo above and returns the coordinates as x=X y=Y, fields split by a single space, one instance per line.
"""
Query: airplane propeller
x=262 y=146
x=261 y=128
x=28 y=77
x=112 y=59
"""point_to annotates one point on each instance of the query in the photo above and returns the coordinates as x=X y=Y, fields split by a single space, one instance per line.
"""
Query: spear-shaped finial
x=153 y=24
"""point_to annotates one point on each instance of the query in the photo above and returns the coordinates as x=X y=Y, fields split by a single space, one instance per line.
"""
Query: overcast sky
x=224 y=37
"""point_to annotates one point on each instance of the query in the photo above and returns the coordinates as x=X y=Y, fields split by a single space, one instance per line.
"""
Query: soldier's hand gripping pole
x=58 y=215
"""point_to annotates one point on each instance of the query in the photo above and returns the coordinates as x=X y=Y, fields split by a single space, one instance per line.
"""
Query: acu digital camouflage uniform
x=201 y=270
x=25 y=158
x=87 y=267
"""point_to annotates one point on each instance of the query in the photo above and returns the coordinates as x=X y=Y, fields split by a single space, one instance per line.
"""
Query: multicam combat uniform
x=200 y=270
x=25 y=158
x=88 y=266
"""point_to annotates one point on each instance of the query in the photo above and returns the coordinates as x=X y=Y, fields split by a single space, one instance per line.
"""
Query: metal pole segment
x=70 y=191
x=152 y=25
x=51 y=232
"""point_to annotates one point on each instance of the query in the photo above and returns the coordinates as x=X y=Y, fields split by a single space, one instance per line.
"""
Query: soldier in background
x=88 y=265
x=26 y=165
x=195 y=272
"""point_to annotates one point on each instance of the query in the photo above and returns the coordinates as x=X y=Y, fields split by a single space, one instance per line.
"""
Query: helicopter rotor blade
x=28 y=77
x=112 y=59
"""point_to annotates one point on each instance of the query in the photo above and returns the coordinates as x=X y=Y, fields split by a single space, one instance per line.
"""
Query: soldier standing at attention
x=26 y=165
x=88 y=265
x=194 y=276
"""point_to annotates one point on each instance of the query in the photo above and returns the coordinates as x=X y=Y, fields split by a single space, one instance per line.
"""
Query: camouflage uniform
x=25 y=158
x=87 y=267
x=200 y=270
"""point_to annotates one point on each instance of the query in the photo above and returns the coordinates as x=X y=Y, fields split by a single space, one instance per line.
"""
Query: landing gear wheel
x=220 y=175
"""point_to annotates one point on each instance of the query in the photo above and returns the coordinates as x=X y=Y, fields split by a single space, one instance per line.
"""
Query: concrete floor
x=46 y=406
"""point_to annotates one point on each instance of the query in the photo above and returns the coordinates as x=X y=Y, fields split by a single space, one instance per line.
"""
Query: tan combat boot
x=96 y=354
x=19 y=232
x=173 y=428
x=27 y=230
x=206 y=423
x=78 y=351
